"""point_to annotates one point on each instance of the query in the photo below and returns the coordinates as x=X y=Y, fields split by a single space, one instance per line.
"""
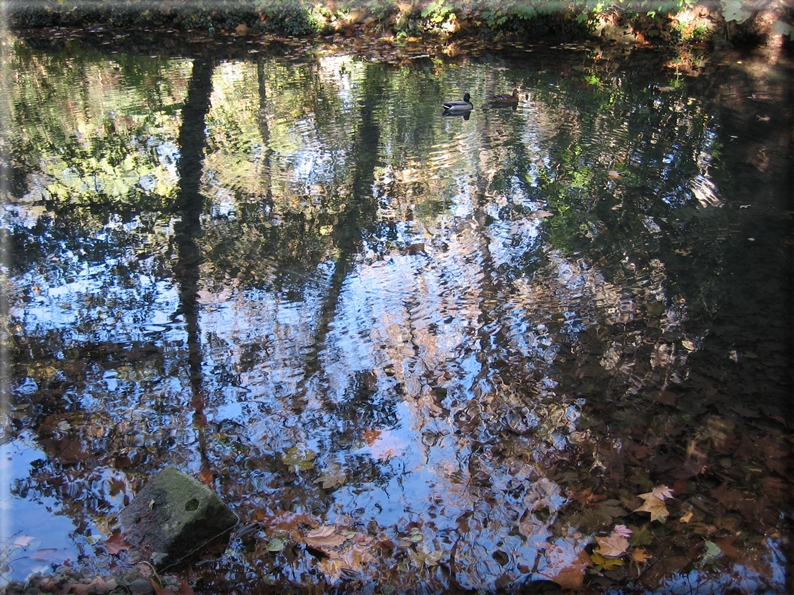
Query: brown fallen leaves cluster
x=347 y=551
x=568 y=569
x=342 y=551
x=615 y=549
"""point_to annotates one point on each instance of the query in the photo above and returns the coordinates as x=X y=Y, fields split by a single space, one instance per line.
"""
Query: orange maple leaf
x=639 y=555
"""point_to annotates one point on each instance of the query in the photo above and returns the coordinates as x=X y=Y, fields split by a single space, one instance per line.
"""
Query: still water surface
x=466 y=343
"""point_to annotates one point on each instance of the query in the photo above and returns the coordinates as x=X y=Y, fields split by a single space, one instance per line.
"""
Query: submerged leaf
x=332 y=477
x=299 y=458
x=606 y=563
x=22 y=541
x=332 y=569
x=712 y=550
x=422 y=558
x=662 y=492
x=47 y=554
x=275 y=545
x=642 y=536
x=587 y=497
x=116 y=544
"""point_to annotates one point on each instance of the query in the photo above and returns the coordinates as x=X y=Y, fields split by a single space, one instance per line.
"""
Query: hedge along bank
x=753 y=22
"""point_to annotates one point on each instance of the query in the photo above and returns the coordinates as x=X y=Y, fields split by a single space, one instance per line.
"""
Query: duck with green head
x=457 y=106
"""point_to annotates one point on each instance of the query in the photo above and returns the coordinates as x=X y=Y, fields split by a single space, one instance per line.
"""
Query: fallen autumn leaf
x=654 y=506
x=325 y=536
x=613 y=546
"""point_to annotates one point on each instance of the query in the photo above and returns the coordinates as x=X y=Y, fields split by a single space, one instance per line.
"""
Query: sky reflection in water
x=436 y=333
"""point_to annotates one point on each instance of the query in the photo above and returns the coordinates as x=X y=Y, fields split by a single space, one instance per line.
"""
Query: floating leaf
x=613 y=174
x=290 y=523
x=662 y=492
x=325 y=536
x=613 y=546
x=606 y=563
x=654 y=506
x=206 y=476
x=623 y=531
x=22 y=541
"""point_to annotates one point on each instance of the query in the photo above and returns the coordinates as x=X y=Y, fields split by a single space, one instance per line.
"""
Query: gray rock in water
x=173 y=516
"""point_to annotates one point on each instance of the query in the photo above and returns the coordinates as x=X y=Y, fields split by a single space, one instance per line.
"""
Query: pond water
x=461 y=346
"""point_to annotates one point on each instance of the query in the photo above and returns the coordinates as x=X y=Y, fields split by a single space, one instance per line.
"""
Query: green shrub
x=292 y=17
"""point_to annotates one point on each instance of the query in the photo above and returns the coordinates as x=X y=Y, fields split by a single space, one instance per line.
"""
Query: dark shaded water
x=467 y=344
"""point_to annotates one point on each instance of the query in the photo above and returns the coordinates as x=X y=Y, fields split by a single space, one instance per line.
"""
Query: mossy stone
x=173 y=516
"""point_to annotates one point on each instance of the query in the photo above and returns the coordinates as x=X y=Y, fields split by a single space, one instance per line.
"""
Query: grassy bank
x=629 y=21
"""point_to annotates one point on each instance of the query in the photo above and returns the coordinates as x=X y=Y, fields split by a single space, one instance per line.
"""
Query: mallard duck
x=506 y=100
x=457 y=106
